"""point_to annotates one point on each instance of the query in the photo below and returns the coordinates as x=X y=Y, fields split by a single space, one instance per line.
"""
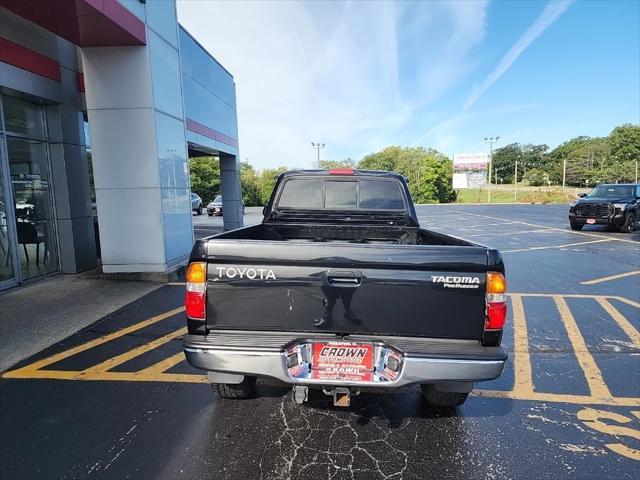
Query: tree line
x=586 y=161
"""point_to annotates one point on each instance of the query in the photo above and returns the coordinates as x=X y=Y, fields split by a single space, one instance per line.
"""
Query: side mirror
x=582 y=195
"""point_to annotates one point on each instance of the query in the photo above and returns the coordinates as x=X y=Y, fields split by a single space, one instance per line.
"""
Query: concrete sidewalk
x=36 y=316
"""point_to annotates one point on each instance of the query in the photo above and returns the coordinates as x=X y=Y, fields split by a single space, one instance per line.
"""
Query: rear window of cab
x=339 y=194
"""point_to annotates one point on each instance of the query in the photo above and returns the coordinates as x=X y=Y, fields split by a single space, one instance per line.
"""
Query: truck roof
x=341 y=171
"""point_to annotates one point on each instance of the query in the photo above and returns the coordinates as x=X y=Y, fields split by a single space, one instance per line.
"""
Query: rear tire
x=629 y=221
x=199 y=211
x=576 y=226
x=244 y=389
x=442 y=399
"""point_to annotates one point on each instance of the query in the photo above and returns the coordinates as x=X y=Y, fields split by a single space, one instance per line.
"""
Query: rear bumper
x=428 y=361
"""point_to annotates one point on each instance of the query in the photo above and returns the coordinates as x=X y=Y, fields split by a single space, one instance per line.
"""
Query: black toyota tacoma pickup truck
x=339 y=288
x=617 y=205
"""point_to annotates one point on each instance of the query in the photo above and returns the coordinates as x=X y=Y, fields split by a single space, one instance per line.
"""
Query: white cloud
x=550 y=14
x=350 y=74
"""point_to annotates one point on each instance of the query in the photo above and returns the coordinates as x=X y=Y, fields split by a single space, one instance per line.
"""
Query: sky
x=359 y=76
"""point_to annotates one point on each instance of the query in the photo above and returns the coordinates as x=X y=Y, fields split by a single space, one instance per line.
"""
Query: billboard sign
x=463 y=162
x=470 y=170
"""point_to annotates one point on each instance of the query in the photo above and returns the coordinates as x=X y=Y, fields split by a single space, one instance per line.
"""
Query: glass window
x=32 y=192
x=612 y=191
x=341 y=194
x=301 y=193
x=380 y=195
x=23 y=118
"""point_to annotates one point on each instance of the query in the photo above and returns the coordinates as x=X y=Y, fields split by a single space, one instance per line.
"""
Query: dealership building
x=102 y=104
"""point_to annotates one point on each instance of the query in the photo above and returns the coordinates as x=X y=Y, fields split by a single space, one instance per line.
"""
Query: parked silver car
x=215 y=207
x=196 y=203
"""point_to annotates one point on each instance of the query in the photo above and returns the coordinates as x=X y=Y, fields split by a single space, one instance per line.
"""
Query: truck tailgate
x=410 y=290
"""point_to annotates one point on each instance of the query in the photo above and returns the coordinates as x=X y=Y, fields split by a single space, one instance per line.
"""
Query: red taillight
x=194 y=305
x=341 y=171
x=195 y=299
x=496 y=302
x=496 y=316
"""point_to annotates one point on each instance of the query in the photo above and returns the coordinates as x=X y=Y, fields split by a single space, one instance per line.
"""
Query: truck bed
x=373 y=234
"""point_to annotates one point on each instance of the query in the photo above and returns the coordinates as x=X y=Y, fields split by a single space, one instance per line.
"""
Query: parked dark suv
x=616 y=204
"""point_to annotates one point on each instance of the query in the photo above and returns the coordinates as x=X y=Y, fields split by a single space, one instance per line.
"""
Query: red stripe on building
x=27 y=59
x=196 y=127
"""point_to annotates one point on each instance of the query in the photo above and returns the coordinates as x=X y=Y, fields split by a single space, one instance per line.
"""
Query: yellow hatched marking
x=560 y=398
x=523 y=383
x=591 y=371
x=108 y=376
x=620 y=319
x=164 y=365
x=625 y=300
x=523 y=387
x=612 y=277
x=93 y=343
x=136 y=352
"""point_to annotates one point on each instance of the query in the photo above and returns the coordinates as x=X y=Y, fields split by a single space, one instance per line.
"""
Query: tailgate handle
x=344 y=278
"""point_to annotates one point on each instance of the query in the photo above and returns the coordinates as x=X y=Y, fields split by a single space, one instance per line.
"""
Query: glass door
x=29 y=176
x=7 y=249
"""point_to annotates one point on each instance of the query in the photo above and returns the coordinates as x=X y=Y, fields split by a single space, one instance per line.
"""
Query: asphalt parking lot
x=117 y=399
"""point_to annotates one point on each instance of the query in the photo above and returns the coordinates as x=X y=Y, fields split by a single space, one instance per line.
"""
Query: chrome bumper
x=271 y=362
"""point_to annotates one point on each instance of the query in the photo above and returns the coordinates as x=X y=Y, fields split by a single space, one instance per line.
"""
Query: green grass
x=503 y=195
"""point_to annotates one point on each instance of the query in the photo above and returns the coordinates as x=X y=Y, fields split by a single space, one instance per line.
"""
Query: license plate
x=591 y=221
x=342 y=361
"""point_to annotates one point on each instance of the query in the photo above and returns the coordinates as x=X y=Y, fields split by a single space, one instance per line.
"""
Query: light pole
x=515 y=182
x=318 y=147
x=490 y=141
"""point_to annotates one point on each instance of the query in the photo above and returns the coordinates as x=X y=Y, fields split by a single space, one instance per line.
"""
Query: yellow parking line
x=110 y=376
x=523 y=383
x=560 y=398
x=164 y=365
x=620 y=319
x=625 y=300
x=548 y=247
x=591 y=371
x=612 y=277
x=135 y=352
x=93 y=343
x=565 y=295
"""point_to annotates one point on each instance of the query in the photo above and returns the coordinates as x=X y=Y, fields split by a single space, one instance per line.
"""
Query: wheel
x=442 y=399
x=210 y=214
x=629 y=221
x=244 y=389
x=576 y=226
x=199 y=210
